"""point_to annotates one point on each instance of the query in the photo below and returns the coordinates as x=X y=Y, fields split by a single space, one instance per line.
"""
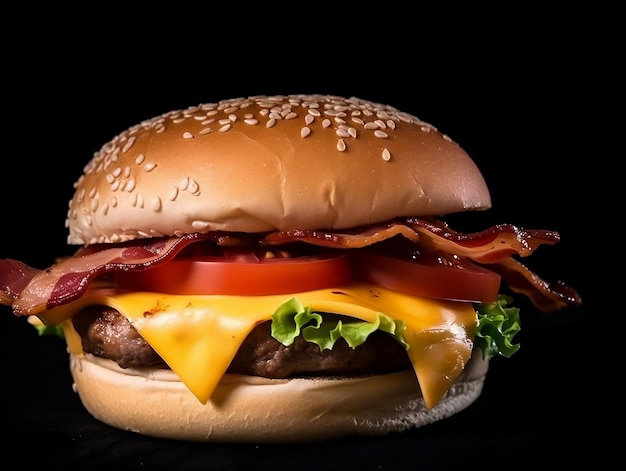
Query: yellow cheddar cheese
x=199 y=335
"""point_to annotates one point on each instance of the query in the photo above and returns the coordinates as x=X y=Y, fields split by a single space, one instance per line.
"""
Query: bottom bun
x=253 y=409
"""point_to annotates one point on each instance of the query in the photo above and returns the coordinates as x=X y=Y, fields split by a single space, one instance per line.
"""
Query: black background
x=528 y=96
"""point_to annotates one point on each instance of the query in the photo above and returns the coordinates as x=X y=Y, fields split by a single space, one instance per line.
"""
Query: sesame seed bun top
x=271 y=163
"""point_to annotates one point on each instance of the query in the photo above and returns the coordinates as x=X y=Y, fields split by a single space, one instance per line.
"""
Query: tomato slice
x=244 y=276
x=429 y=276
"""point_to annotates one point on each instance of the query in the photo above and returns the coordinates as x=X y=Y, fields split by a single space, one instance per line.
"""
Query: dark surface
x=527 y=117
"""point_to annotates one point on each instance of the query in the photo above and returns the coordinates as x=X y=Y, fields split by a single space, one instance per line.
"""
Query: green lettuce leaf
x=292 y=318
x=55 y=330
x=497 y=325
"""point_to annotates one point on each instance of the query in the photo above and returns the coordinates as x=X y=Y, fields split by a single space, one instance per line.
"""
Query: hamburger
x=278 y=269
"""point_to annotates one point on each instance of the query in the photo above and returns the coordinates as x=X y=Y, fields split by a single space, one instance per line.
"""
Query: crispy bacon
x=31 y=291
x=493 y=248
x=489 y=246
x=364 y=237
x=67 y=280
x=545 y=296
x=14 y=277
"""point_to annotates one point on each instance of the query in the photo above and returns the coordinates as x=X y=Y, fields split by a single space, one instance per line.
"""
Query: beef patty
x=106 y=333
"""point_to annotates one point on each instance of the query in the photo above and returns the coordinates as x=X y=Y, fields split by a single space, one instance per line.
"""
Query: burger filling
x=107 y=334
x=408 y=293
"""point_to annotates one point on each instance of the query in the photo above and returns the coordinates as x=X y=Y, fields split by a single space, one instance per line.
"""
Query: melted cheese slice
x=198 y=336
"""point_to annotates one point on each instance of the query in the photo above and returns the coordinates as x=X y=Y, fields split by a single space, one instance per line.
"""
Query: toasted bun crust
x=252 y=409
x=271 y=163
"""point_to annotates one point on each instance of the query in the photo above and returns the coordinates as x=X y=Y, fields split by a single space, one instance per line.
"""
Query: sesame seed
x=270 y=123
x=172 y=194
x=200 y=225
x=149 y=166
x=308 y=119
x=139 y=159
x=187 y=135
x=225 y=128
x=251 y=121
x=357 y=120
x=335 y=113
x=194 y=188
x=341 y=145
x=155 y=204
x=381 y=134
x=204 y=131
x=129 y=144
x=305 y=131
x=386 y=155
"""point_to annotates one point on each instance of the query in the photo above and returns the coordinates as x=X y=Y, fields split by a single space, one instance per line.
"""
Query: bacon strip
x=493 y=247
x=14 y=277
x=489 y=246
x=346 y=240
x=31 y=291
x=67 y=280
x=547 y=297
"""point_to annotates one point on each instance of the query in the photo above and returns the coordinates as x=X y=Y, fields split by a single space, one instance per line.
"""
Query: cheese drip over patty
x=199 y=335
